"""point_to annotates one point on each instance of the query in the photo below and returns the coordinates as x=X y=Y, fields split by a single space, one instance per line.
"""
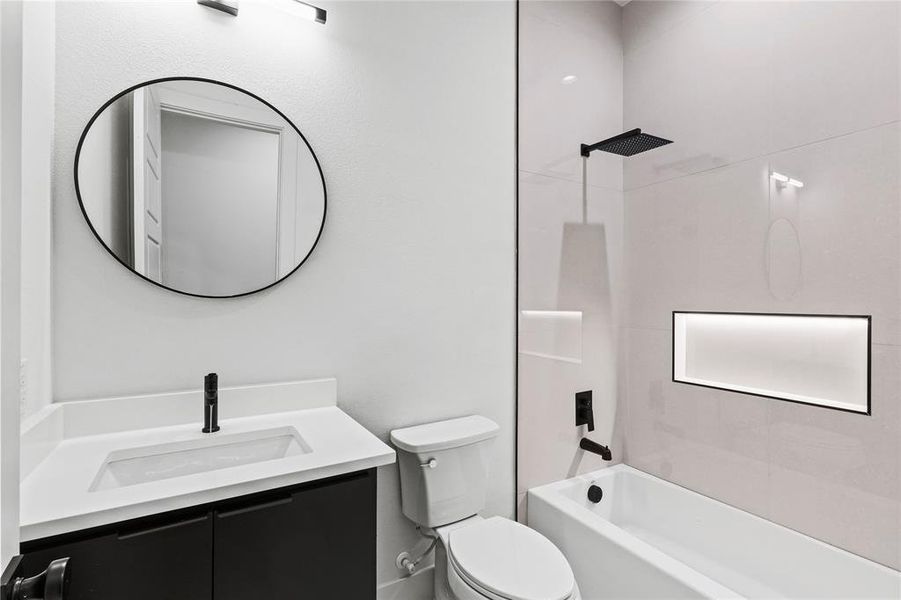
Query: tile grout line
x=579 y=182
x=766 y=155
x=667 y=30
x=625 y=189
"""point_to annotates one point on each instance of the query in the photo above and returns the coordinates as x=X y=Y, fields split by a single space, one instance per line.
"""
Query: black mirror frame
x=87 y=219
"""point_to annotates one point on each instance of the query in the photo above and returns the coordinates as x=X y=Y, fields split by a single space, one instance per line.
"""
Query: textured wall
x=38 y=56
x=745 y=88
x=408 y=299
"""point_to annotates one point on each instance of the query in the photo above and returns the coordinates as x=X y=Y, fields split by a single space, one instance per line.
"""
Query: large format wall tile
x=847 y=222
x=709 y=242
x=569 y=261
x=702 y=85
x=732 y=239
x=847 y=517
x=857 y=451
x=690 y=435
x=744 y=79
x=697 y=243
x=570 y=253
x=834 y=69
x=549 y=441
x=837 y=476
x=829 y=474
x=645 y=20
x=554 y=242
x=661 y=253
x=562 y=39
x=811 y=90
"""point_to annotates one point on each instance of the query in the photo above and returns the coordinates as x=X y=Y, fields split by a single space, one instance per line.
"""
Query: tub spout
x=590 y=446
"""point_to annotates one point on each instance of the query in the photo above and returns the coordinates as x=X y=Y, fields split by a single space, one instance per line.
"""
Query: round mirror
x=200 y=187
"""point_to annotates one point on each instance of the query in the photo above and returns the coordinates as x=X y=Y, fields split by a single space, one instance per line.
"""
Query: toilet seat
x=505 y=560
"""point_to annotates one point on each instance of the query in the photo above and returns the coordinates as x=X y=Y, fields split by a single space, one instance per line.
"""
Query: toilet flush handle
x=431 y=464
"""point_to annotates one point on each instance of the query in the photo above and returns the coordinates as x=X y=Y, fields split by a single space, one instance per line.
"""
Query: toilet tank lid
x=442 y=435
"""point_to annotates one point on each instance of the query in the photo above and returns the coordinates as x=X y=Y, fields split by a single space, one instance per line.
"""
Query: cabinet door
x=156 y=559
x=315 y=542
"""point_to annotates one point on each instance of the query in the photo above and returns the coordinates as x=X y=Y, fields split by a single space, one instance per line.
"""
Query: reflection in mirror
x=200 y=187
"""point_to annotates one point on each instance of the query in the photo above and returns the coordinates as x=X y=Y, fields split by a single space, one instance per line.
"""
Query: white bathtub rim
x=691 y=578
x=590 y=477
x=551 y=493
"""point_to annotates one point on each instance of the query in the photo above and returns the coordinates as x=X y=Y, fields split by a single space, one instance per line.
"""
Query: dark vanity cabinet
x=167 y=557
x=311 y=541
x=314 y=542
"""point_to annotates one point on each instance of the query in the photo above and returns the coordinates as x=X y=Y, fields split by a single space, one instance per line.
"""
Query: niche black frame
x=129 y=90
x=869 y=319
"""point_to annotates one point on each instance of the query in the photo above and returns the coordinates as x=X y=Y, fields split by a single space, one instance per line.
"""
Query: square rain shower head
x=627 y=144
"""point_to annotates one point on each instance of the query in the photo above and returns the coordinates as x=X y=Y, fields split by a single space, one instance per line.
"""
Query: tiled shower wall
x=570 y=255
x=809 y=89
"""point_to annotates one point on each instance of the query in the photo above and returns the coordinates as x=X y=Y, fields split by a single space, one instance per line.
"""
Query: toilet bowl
x=443 y=487
x=500 y=559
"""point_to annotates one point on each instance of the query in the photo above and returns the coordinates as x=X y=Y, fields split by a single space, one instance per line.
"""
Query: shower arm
x=586 y=149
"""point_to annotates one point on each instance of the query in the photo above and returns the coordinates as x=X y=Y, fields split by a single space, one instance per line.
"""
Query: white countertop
x=55 y=496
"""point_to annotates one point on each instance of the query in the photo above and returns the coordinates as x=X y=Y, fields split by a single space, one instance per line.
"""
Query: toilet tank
x=444 y=468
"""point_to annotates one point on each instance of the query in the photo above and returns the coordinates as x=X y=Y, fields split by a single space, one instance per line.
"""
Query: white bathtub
x=648 y=538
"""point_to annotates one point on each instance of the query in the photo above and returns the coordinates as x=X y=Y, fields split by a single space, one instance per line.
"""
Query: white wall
x=38 y=59
x=568 y=261
x=11 y=135
x=408 y=299
x=746 y=88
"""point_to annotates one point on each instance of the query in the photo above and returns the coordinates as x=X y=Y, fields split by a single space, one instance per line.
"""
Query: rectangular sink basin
x=164 y=461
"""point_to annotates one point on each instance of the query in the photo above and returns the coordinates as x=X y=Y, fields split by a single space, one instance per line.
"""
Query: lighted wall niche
x=814 y=359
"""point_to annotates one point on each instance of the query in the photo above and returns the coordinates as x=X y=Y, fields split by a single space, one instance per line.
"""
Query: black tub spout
x=594 y=447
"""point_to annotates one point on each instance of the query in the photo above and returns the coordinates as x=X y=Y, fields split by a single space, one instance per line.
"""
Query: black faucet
x=590 y=446
x=211 y=403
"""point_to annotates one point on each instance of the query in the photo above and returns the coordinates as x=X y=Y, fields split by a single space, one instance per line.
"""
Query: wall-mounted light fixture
x=226 y=6
x=784 y=180
x=308 y=11
x=300 y=9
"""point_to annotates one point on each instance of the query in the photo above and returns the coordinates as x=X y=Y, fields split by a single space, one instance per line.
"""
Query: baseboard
x=420 y=586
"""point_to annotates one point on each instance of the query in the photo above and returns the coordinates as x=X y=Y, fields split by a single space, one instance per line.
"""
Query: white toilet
x=443 y=476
